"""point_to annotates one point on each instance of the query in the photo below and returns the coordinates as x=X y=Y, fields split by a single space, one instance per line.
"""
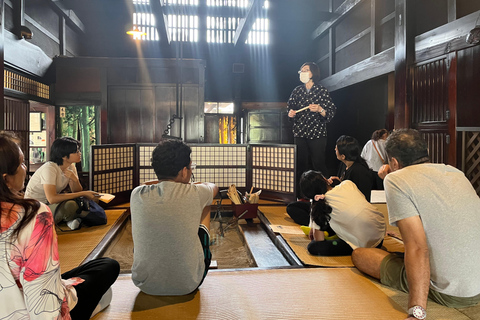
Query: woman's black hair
x=63 y=147
x=9 y=163
x=350 y=148
x=378 y=134
x=311 y=184
x=314 y=70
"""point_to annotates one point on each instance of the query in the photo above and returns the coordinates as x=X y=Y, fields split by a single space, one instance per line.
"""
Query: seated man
x=49 y=181
x=438 y=214
x=170 y=222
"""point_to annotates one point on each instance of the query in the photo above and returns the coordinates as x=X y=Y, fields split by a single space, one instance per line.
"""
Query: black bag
x=96 y=216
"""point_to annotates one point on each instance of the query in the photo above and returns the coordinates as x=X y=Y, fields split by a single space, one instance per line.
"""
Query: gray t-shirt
x=450 y=211
x=168 y=256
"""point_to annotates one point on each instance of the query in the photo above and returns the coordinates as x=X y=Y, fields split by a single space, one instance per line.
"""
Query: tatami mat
x=299 y=242
x=261 y=294
x=75 y=246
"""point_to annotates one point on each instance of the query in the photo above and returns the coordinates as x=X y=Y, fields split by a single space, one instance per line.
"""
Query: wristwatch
x=417 y=312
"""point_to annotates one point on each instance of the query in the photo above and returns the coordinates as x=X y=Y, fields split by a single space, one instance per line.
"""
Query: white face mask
x=305 y=76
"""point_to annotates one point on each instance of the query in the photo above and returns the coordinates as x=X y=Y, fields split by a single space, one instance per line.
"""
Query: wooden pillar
x=404 y=54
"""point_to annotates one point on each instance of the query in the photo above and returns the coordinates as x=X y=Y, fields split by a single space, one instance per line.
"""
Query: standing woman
x=32 y=286
x=310 y=124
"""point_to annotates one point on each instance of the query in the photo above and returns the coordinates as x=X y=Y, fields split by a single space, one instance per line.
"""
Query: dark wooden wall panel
x=436 y=146
x=49 y=46
x=16 y=119
x=468 y=86
x=385 y=37
x=430 y=96
x=166 y=108
x=357 y=21
x=352 y=54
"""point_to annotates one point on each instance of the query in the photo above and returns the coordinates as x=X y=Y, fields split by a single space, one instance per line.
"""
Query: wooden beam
x=378 y=65
x=63 y=36
x=452 y=10
x=373 y=27
x=444 y=39
x=158 y=10
x=25 y=56
x=344 y=8
x=246 y=23
x=18 y=8
x=69 y=15
x=404 y=54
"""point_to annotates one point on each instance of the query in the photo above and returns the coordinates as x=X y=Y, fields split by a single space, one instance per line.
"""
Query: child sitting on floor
x=343 y=210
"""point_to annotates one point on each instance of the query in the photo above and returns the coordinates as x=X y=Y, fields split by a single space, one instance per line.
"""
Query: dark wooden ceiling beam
x=158 y=10
x=70 y=16
x=246 y=23
x=343 y=9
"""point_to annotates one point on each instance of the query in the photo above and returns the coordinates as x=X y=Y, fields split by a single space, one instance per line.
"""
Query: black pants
x=99 y=275
x=310 y=150
x=336 y=247
x=299 y=211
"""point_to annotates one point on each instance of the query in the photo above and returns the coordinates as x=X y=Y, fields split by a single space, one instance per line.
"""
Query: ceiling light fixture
x=473 y=37
x=136 y=33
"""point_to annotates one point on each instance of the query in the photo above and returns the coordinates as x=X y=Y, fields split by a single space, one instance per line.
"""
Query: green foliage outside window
x=80 y=123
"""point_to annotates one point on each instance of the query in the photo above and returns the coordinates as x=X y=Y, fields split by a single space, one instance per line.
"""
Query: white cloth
x=353 y=218
x=168 y=257
x=49 y=173
x=370 y=155
x=450 y=212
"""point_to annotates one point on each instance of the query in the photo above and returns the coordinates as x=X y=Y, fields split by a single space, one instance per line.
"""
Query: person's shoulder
x=298 y=88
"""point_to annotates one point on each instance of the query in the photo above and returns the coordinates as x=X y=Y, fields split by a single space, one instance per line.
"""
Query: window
x=218 y=107
x=145 y=22
x=259 y=32
x=221 y=29
x=184 y=25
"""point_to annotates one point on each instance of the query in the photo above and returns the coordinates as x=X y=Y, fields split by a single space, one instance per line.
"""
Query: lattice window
x=222 y=165
x=274 y=157
x=183 y=27
x=221 y=29
x=145 y=22
x=23 y=84
x=471 y=162
x=274 y=168
x=274 y=180
x=259 y=33
x=112 y=168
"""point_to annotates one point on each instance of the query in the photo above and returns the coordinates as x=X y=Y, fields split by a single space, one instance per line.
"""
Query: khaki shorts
x=393 y=274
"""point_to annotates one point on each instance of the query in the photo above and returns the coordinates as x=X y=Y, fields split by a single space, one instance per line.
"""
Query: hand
x=330 y=180
x=70 y=175
x=411 y=318
x=383 y=171
x=91 y=195
x=315 y=108
x=291 y=113
x=310 y=234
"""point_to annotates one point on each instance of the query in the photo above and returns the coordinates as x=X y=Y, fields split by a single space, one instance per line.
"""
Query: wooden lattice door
x=433 y=106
